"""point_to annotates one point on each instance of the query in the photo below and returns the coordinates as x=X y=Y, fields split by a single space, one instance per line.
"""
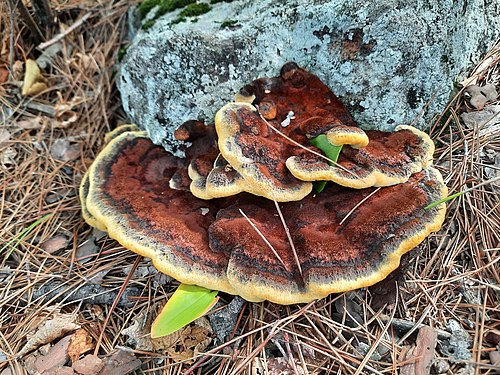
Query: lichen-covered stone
x=385 y=59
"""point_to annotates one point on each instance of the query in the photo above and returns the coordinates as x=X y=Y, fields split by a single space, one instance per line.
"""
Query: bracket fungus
x=194 y=216
x=265 y=137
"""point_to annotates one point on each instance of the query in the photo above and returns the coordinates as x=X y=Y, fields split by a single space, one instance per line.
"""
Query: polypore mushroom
x=264 y=142
x=128 y=193
x=339 y=240
x=336 y=243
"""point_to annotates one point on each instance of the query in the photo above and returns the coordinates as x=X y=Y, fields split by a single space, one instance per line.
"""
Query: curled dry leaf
x=8 y=156
x=184 y=344
x=138 y=332
x=49 y=331
x=34 y=82
x=81 y=342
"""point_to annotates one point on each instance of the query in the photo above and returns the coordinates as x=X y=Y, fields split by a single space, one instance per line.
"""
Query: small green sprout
x=450 y=197
x=188 y=303
x=331 y=152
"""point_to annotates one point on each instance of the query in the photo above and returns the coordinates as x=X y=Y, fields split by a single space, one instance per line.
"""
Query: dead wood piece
x=89 y=293
x=419 y=358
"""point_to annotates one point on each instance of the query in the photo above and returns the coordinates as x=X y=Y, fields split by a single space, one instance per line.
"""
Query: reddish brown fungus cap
x=389 y=159
x=128 y=192
x=264 y=143
x=334 y=256
x=219 y=245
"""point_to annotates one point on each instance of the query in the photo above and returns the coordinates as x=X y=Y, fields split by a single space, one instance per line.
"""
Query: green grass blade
x=188 y=303
x=445 y=199
x=450 y=197
x=16 y=240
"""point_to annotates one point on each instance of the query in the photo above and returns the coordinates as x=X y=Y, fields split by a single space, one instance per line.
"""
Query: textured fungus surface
x=211 y=243
x=129 y=194
x=260 y=136
x=389 y=159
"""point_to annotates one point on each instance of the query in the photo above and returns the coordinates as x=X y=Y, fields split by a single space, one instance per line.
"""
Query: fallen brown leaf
x=81 y=342
x=49 y=331
x=63 y=150
x=88 y=365
x=139 y=332
x=34 y=82
x=120 y=363
x=184 y=344
x=55 y=243
x=417 y=360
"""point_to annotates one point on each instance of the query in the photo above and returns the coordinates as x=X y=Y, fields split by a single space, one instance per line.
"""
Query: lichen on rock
x=385 y=60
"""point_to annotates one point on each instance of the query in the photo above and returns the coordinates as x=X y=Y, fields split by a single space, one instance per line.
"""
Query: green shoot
x=188 y=303
x=16 y=240
x=450 y=197
x=331 y=152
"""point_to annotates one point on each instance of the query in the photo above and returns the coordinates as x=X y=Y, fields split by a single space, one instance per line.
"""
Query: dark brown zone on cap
x=324 y=248
x=174 y=217
x=316 y=109
x=268 y=150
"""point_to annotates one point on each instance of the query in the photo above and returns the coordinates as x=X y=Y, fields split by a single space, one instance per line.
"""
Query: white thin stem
x=288 y=235
x=263 y=238
x=359 y=204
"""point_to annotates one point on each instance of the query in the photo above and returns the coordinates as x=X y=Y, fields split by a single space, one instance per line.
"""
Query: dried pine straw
x=453 y=275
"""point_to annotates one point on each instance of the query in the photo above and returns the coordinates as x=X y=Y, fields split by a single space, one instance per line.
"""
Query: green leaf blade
x=331 y=152
x=188 y=303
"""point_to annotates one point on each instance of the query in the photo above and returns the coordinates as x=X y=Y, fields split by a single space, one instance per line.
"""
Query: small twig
x=359 y=204
x=55 y=291
x=63 y=33
x=25 y=15
x=115 y=303
x=288 y=235
x=263 y=237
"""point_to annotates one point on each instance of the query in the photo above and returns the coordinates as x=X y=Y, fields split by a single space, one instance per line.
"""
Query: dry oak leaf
x=81 y=342
x=34 y=82
x=49 y=331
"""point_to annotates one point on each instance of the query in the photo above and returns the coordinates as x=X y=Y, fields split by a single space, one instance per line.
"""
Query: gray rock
x=457 y=346
x=386 y=60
